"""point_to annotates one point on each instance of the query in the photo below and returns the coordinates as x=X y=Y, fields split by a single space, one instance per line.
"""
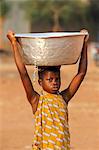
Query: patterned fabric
x=51 y=124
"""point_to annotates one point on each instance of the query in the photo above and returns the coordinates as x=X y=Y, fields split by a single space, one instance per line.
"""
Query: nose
x=54 y=82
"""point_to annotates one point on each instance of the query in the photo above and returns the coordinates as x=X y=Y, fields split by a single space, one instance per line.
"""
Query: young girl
x=50 y=107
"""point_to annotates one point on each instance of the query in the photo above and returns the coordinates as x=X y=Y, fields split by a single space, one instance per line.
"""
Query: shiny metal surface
x=51 y=49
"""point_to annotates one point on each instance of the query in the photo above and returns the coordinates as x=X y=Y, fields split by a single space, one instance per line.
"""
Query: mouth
x=55 y=88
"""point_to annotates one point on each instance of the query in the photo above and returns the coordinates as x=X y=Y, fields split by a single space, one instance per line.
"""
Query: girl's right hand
x=11 y=37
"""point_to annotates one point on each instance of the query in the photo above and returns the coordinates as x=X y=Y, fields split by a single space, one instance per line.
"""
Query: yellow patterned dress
x=51 y=124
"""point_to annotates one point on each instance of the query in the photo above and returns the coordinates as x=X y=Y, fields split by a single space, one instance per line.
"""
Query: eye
x=50 y=79
x=57 y=79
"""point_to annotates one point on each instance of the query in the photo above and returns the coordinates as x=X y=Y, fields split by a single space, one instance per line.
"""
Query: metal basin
x=52 y=48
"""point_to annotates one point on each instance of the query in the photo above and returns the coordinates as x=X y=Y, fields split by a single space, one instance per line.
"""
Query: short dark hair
x=43 y=69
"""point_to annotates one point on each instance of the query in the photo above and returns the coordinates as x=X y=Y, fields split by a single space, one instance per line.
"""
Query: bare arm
x=32 y=95
x=77 y=80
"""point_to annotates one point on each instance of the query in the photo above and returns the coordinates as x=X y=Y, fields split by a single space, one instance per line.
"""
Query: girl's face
x=51 y=82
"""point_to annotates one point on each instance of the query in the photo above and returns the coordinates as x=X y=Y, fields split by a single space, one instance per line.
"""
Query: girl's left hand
x=86 y=36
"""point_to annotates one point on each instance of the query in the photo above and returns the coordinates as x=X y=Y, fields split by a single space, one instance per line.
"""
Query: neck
x=45 y=92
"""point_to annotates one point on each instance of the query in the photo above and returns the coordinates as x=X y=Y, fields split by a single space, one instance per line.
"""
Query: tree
x=93 y=18
x=45 y=11
x=55 y=8
x=4 y=9
x=60 y=14
x=36 y=12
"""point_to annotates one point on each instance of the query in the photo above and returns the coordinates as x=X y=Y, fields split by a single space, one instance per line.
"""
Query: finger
x=11 y=32
x=10 y=35
x=86 y=37
x=84 y=31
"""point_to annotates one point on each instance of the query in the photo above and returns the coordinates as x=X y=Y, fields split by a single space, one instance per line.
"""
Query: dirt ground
x=16 y=119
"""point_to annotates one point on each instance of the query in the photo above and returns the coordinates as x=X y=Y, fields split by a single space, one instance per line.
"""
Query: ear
x=40 y=82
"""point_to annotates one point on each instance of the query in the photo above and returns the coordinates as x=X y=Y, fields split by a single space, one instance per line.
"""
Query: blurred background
x=16 y=119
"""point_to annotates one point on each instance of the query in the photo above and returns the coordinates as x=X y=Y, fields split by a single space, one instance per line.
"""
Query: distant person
x=95 y=53
x=50 y=107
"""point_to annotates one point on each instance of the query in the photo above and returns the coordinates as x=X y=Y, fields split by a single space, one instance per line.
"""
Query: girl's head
x=49 y=78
